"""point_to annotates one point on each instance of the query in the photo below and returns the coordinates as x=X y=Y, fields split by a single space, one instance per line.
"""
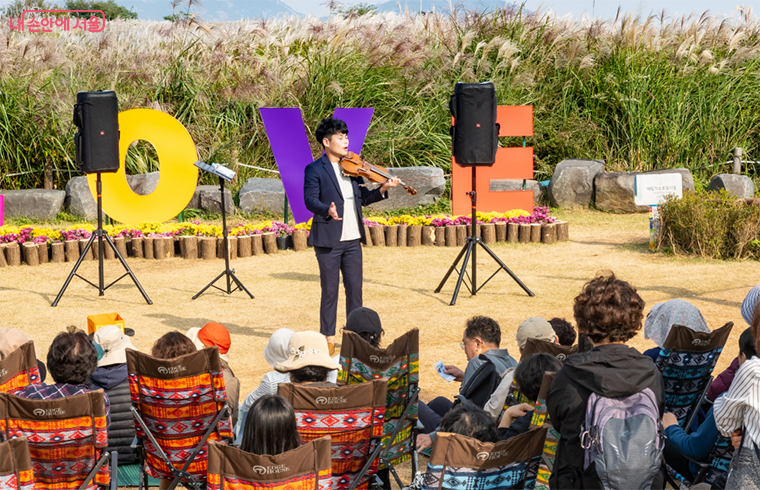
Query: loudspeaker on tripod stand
x=96 y=114
x=475 y=134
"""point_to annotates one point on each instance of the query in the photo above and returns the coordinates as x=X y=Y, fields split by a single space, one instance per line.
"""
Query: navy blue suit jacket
x=320 y=188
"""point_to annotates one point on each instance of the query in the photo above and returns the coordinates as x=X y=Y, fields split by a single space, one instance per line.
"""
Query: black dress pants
x=345 y=258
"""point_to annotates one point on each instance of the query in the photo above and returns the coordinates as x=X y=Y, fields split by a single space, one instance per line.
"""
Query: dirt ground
x=398 y=283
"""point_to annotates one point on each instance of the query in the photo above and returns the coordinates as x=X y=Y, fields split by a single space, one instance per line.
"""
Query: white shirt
x=740 y=406
x=350 y=216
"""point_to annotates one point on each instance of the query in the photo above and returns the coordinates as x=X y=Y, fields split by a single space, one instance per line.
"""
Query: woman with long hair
x=270 y=427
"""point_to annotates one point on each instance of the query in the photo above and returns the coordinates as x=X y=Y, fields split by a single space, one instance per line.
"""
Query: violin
x=354 y=165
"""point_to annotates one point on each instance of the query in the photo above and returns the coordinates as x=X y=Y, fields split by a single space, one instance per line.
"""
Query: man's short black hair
x=564 y=330
x=72 y=358
x=529 y=374
x=328 y=127
x=484 y=327
x=309 y=374
x=747 y=344
x=472 y=421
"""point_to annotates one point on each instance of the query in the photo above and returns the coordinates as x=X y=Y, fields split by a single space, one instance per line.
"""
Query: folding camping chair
x=67 y=439
x=686 y=362
x=19 y=369
x=459 y=462
x=179 y=404
x=538 y=346
x=307 y=467
x=352 y=415
x=541 y=418
x=16 y=465
x=713 y=470
x=399 y=363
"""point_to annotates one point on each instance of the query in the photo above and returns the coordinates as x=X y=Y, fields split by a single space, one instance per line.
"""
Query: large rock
x=143 y=184
x=616 y=192
x=739 y=185
x=39 y=204
x=208 y=198
x=259 y=194
x=572 y=183
x=427 y=181
x=79 y=200
x=504 y=185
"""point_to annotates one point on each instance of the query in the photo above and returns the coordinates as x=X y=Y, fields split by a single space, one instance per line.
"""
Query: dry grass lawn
x=398 y=283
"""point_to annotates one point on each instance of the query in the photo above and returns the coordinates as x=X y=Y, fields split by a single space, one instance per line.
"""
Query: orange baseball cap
x=214 y=334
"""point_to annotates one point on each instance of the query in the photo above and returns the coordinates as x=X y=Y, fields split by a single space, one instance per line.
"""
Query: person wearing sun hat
x=215 y=335
x=308 y=359
x=111 y=376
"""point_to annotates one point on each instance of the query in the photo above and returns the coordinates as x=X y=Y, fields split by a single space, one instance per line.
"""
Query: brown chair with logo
x=67 y=439
x=307 y=467
x=539 y=346
x=179 y=404
x=16 y=465
x=19 y=369
x=463 y=462
x=351 y=415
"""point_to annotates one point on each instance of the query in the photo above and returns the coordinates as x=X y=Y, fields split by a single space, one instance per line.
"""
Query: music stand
x=100 y=235
x=470 y=248
x=224 y=174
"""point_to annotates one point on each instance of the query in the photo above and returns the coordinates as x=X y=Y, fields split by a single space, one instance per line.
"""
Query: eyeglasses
x=462 y=344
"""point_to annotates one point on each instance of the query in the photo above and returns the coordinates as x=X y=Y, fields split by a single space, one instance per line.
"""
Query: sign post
x=651 y=190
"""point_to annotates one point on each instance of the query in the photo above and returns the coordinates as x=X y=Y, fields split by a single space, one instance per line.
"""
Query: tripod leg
x=129 y=271
x=470 y=246
x=210 y=284
x=504 y=266
x=451 y=269
x=74 y=270
x=240 y=284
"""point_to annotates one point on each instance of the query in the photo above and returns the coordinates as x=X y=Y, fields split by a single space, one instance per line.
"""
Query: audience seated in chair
x=271 y=427
x=529 y=375
x=609 y=311
x=663 y=316
x=71 y=360
x=16 y=471
x=215 y=335
x=564 y=330
x=480 y=342
x=13 y=338
x=111 y=376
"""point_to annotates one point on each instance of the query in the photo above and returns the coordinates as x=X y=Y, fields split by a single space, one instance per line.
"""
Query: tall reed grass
x=638 y=92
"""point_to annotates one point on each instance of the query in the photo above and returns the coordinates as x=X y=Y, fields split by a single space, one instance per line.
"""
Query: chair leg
x=114 y=470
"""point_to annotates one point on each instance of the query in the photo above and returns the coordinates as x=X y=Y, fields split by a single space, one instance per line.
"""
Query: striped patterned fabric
x=19 y=369
x=351 y=415
x=686 y=362
x=305 y=468
x=462 y=463
x=66 y=437
x=399 y=363
x=540 y=418
x=716 y=474
x=178 y=399
x=16 y=465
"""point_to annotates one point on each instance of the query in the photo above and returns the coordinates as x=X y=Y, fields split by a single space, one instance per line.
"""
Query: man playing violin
x=337 y=230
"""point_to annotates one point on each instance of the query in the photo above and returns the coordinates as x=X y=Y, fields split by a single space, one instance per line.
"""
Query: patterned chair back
x=352 y=415
x=686 y=362
x=462 y=463
x=399 y=363
x=307 y=467
x=178 y=399
x=715 y=470
x=66 y=437
x=16 y=465
x=19 y=369
x=540 y=418
x=538 y=346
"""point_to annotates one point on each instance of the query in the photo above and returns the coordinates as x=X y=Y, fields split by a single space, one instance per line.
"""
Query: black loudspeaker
x=96 y=114
x=475 y=134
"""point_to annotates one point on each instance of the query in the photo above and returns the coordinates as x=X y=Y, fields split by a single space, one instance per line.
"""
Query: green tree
x=110 y=8
x=357 y=9
x=15 y=8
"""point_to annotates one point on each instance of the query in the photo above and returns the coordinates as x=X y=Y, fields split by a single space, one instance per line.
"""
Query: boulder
x=615 y=192
x=79 y=200
x=427 y=181
x=503 y=185
x=143 y=184
x=39 y=204
x=259 y=194
x=208 y=197
x=572 y=183
x=739 y=185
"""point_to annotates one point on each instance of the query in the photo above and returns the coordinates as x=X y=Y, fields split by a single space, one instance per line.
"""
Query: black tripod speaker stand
x=224 y=174
x=101 y=236
x=470 y=249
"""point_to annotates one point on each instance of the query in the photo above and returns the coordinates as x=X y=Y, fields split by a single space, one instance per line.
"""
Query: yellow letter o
x=176 y=182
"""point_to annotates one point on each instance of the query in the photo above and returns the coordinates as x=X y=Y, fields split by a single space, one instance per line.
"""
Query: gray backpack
x=623 y=437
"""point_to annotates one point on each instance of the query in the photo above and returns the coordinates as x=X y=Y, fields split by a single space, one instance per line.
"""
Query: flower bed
x=197 y=240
